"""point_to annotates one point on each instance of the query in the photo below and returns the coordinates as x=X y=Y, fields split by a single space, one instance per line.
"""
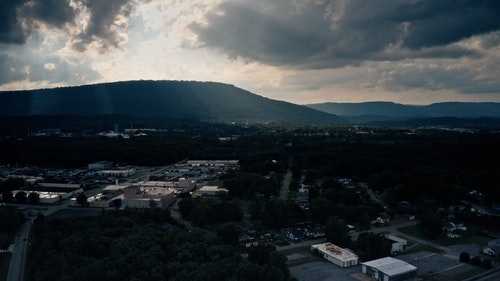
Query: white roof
x=390 y=266
x=212 y=188
x=336 y=251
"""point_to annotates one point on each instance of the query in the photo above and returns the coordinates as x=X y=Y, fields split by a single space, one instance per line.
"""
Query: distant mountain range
x=389 y=111
x=218 y=102
x=204 y=101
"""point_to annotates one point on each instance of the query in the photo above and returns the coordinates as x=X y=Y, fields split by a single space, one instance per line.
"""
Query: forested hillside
x=207 y=101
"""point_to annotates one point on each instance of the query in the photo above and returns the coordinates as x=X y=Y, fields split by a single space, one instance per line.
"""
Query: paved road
x=19 y=250
x=285 y=185
x=20 y=247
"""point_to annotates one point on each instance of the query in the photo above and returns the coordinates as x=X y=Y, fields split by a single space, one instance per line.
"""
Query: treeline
x=430 y=164
x=140 y=245
x=10 y=221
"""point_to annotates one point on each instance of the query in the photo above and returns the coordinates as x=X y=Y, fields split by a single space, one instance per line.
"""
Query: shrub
x=464 y=257
x=475 y=261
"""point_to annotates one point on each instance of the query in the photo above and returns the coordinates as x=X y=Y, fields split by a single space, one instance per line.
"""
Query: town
x=283 y=201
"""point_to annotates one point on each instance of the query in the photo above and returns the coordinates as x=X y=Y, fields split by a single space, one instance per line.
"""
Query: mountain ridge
x=205 y=101
x=380 y=111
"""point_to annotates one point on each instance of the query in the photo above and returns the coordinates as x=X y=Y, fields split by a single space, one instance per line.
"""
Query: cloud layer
x=327 y=34
x=296 y=50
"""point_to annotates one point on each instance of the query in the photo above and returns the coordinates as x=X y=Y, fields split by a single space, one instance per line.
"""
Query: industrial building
x=389 y=269
x=335 y=254
x=147 y=197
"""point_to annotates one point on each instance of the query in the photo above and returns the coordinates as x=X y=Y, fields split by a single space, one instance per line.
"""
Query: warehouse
x=335 y=254
x=389 y=269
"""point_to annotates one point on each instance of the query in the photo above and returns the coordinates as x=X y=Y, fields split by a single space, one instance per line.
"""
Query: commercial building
x=389 y=269
x=146 y=197
x=335 y=254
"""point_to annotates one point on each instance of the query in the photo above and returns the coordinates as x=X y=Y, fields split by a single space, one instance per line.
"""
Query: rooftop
x=336 y=251
x=390 y=266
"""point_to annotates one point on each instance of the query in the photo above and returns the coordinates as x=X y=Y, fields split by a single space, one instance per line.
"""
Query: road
x=285 y=185
x=19 y=251
x=20 y=247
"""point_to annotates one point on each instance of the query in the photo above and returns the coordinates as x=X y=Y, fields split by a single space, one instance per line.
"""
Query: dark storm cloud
x=446 y=21
x=102 y=26
x=325 y=34
x=20 y=18
x=11 y=31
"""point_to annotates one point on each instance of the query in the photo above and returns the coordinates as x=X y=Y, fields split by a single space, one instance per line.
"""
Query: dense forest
x=143 y=245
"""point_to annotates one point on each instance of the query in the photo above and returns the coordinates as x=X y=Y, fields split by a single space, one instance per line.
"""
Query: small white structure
x=212 y=190
x=335 y=254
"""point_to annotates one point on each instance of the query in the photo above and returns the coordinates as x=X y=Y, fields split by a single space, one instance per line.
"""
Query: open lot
x=323 y=271
x=430 y=263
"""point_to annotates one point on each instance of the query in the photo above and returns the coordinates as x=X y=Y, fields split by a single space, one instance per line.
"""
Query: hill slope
x=206 y=101
x=387 y=110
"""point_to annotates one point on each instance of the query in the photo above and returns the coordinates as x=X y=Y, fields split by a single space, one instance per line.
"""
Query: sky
x=300 y=51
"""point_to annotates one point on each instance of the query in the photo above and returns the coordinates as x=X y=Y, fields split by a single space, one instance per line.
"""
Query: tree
x=464 y=257
x=372 y=246
x=338 y=233
x=430 y=223
x=21 y=197
x=186 y=206
x=82 y=199
x=260 y=254
x=486 y=263
x=7 y=196
x=229 y=233
x=476 y=261
x=33 y=198
x=321 y=209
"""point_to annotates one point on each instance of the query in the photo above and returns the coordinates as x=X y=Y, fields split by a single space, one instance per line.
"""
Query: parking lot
x=427 y=263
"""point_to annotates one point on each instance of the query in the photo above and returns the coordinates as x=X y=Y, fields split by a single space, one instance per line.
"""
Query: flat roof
x=212 y=188
x=115 y=187
x=390 y=266
x=336 y=251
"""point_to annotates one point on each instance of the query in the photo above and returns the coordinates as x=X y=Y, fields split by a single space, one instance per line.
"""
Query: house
x=389 y=269
x=336 y=255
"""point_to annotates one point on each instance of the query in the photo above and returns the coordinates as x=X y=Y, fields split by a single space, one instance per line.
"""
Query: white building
x=212 y=190
x=335 y=254
x=143 y=197
x=389 y=269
